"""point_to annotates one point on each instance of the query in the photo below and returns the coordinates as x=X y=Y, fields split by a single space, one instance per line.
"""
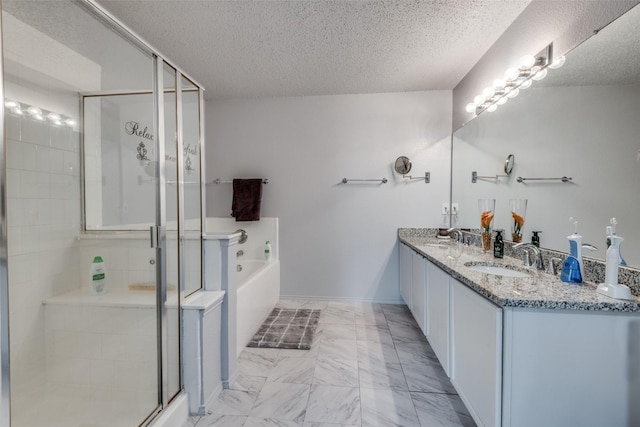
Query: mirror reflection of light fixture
x=19 y=109
x=529 y=68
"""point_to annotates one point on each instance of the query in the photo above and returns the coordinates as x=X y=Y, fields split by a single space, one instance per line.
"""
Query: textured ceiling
x=611 y=57
x=293 y=48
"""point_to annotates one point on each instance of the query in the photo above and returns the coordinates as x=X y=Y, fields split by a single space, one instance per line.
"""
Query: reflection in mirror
x=508 y=164
x=580 y=122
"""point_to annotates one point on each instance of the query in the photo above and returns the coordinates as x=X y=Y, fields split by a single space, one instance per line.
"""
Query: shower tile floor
x=369 y=365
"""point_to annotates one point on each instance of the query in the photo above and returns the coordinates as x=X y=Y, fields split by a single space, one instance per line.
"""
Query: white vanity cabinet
x=476 y=345
x=437 y=333
x=418 y=291
x=515 y=366
x=571 y=368
x=406 y=272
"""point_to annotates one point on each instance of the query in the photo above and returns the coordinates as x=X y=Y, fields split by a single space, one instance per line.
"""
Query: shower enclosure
x=101 y=155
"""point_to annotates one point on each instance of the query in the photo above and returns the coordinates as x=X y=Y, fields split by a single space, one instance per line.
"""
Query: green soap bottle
x=498 y=245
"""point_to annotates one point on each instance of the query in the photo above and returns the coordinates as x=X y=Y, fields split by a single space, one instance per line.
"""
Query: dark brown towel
x=247 y=196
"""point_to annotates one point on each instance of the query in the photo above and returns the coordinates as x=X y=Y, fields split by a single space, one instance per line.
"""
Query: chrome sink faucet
x=536 y=252
x=458 y=233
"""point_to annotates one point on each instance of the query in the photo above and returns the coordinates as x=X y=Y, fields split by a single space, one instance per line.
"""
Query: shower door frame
x=160 y=228
x=5 y=377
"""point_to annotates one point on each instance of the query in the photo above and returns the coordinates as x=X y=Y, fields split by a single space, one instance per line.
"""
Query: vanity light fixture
x=19 y=109
x=529 y=68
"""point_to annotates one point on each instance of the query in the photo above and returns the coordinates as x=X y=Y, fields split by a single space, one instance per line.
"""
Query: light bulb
x=488 y=93
x=502 y=100
x=471 y=107
x=17 y=111
x=38 y=117
x=513 y=93
x=57 y=122
x=557 y=62
x=478 y=100
x=499 y=84
x=540 y=75
x=10 y=104
x=34 y=111
x=527 y=62
x=70 y=122
x=525 y=84
x=492 y=108
x=53 y=117
x=511 y=74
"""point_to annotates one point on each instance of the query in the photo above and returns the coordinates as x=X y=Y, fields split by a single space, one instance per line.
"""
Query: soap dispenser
x=535 y=239
x=611 y=232
x=498 y=245
x=572 y=267
x=611 y=287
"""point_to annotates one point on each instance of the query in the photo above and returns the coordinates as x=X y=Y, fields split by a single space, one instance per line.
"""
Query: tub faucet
x=536 y=252
x=458 y=233
x=239 y=253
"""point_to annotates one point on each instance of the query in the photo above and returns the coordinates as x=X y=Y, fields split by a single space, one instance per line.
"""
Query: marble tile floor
x=369 y=366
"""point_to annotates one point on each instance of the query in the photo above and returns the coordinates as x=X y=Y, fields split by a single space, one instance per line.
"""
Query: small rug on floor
x=287 y=328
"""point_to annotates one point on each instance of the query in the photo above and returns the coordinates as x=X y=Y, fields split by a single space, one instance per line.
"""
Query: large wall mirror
x=582 y=122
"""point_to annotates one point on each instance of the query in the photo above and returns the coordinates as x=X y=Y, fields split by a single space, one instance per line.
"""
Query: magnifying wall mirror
x=403 y=165
x=508 y=164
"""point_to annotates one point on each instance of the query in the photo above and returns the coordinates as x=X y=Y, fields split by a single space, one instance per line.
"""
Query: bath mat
x=287 y=328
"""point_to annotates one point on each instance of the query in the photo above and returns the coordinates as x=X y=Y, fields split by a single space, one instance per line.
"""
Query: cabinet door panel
x=406 y=272
x=438 y=314
x=418 y=294
x=477 y=353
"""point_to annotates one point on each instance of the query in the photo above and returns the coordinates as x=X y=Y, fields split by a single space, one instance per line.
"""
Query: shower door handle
x=154 y=236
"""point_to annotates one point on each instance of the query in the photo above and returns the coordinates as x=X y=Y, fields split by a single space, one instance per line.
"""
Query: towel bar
x=346 y=180
x=563 y=179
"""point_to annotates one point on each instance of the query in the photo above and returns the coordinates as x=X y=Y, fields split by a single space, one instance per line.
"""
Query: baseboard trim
x=341 y=299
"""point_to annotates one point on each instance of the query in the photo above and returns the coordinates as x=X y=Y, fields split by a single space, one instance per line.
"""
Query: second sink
x=497 y=269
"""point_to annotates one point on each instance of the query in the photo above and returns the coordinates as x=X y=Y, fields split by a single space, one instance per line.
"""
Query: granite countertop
x=541 y=290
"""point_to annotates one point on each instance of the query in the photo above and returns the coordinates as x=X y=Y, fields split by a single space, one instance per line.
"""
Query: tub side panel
x=256 y=299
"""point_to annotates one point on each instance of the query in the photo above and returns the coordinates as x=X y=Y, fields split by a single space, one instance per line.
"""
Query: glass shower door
x=79 y=358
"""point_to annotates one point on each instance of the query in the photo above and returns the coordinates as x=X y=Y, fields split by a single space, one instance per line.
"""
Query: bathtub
x=258 y=293
x=257 y=284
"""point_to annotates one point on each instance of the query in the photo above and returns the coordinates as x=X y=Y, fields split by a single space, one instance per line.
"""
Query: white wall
x=337 y=241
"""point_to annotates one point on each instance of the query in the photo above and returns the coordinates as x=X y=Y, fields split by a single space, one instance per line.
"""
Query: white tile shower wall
x=43 y=208
x=106 y=350
x=127 y=261
x=336 y=240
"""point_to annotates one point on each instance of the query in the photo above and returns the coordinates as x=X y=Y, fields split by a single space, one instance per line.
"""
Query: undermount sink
x=497 y=269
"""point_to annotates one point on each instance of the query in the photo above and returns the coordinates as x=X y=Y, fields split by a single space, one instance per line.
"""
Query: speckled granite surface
x=540 y=290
